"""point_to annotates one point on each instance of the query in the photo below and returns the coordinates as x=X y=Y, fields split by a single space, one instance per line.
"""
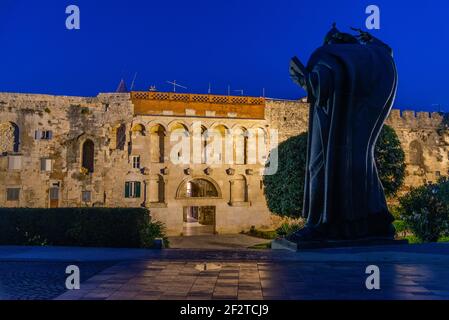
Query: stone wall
x=36 y=129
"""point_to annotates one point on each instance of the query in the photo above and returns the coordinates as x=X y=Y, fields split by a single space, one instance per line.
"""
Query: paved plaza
x=406 y=272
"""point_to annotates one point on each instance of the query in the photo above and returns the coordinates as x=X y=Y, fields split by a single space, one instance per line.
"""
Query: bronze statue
x=351 y=85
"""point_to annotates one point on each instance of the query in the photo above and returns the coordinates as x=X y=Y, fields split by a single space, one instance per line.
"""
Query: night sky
x=242 y=43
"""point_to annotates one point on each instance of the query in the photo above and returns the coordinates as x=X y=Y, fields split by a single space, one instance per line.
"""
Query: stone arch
x=239 y=190
x=138 y=129
x=178 y=125
x=9 y=137
x=225 y=153
x=262 y=146
x=179 y=132
x=157 y=143
x=88 y=155
x=240 y=137
x=198 y=187
x=416 y=153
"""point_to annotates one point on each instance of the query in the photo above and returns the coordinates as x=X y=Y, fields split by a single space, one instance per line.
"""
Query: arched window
x=9 y=137
x=88 y=156
x=157 y=147
x=416 y=154
x=198 y=188
x=240 y=145
x=180 y=139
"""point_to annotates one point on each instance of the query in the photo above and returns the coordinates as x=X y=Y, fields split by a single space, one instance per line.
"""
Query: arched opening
x=240 y=145
x=9 y=137
x=198 y=188
x=262 y=146
x=180 y=139
x=219 y=142
x=198 y=220
x=138 y=130
x=157 y=146
x=416 y=153
x=87 y=156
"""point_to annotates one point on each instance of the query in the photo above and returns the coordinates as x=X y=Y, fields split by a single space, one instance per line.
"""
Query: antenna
x=263 y=92
x=134 y=80
x=229 y=90
x=239 y=90
x=175 y=85
x=209 y=90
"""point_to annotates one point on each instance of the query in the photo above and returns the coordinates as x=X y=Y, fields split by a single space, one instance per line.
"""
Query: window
x=438 y=173
x=14 y=162
x=86 y=196
x=12 y=194
x=43 y=134
x=54 y=193
x=132 y=189
x=88 y=155
x=136 y=162
x=45 y=165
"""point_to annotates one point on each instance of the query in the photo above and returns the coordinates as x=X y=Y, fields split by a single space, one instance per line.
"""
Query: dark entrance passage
x=198 y=220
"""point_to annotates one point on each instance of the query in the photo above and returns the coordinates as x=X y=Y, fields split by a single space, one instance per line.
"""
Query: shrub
x=284 y=191
x=288 y=228
x=425 y=210
x=263 y=234
x=87 y=227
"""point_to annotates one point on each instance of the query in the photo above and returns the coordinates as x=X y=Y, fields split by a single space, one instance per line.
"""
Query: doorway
x=198 y=220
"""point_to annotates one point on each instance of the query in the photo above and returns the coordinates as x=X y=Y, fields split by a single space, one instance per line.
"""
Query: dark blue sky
x=244 y=43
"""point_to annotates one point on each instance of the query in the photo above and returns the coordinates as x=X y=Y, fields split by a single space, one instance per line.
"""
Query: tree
x=425 y=210
x=284 y=191
x=390 y=159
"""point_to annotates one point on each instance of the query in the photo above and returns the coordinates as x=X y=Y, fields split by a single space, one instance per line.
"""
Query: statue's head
x=334 y=36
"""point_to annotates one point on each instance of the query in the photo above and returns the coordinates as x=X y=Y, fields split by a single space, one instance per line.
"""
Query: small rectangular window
x=12 y=194
x=136 y=162
x=437 y=173
x=14 y=162
x=45 y=165
x=132 y=189
x=43 y=134
x=86 y=196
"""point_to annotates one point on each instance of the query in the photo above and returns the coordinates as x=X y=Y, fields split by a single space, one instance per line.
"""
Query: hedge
x=85 y=227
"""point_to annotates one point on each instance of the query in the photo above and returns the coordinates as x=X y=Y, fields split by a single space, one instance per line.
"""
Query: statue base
x=282 y=243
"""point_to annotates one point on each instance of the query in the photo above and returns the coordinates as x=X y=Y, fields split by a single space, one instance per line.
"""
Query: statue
x=351 y=85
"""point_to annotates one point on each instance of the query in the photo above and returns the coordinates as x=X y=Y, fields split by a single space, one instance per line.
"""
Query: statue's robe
x=351 y=89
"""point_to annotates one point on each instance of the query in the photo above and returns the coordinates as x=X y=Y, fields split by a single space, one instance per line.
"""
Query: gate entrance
x=198 y=220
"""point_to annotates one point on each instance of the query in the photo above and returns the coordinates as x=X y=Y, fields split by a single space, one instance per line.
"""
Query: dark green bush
x=86 y=227
x=425 y=210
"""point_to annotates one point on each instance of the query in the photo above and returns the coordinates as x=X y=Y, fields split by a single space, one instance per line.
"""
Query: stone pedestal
x=284 y=244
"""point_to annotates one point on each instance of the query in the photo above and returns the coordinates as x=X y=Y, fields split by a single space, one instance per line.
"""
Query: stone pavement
x=254 y=275
x=222 y=241
x=406 y=272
